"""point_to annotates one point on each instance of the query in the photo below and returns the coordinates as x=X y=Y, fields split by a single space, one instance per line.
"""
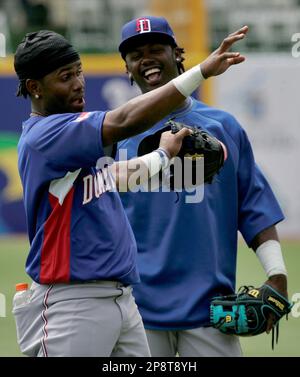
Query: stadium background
x=262 y=93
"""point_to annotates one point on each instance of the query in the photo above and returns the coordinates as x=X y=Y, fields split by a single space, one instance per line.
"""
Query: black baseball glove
x=200 y=150
x=246 y=313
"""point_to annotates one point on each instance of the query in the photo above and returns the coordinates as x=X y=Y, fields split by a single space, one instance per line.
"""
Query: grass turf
x=13 y=252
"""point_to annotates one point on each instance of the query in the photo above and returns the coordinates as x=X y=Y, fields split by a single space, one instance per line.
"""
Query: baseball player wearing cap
x=82 y=255
x=187 y=252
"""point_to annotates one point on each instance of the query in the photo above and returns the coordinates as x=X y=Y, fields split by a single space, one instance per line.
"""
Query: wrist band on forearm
x=270 y=256
x=189 y=81
x=156 y=161
x=165 y=157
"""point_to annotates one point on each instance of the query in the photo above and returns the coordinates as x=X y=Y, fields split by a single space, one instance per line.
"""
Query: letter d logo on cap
x=143 y=25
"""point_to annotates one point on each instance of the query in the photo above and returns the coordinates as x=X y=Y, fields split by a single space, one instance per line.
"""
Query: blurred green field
x=13 y=251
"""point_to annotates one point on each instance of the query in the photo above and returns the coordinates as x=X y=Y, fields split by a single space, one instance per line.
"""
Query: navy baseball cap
x=146 y=30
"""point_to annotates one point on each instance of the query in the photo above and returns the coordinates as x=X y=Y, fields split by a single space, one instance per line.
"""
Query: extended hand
x=221 y=59
x=171 y=143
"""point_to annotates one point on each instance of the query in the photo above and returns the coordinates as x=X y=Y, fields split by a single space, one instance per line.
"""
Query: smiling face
x=152 y=65
x=62 y=91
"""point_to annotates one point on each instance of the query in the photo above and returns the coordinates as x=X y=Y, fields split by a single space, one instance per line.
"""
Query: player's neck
x=37 y=112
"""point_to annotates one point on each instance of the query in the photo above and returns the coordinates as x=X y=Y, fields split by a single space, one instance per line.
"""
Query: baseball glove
x=199 y=146
x=246 y=313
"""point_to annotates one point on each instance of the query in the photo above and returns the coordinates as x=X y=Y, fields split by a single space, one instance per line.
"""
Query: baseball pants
x=91 y=319
x=202 y=341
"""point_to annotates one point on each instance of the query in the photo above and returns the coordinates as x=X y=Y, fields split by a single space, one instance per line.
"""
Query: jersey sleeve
x=69 y=141
x=258 y=207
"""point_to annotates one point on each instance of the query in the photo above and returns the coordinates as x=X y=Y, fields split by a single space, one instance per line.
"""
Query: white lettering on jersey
x=98 y=185
x=95 y=186
x=88 y=189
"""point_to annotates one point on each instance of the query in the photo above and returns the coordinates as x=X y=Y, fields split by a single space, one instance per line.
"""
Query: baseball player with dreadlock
x=187 y=251
x=82 y=255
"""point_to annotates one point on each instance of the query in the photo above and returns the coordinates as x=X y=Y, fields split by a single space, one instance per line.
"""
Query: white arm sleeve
x=270 y=256
x=189 y=81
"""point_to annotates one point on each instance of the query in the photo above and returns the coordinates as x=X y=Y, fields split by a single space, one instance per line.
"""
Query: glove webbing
x=275 y=329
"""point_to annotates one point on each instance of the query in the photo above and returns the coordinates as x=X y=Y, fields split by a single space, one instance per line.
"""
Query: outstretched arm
x=140 y=113
x=144 y=167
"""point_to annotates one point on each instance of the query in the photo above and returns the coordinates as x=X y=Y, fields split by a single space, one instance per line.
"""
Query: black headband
x=42 y=52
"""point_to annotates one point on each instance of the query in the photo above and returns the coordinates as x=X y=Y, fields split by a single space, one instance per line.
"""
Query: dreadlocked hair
x=22 y=90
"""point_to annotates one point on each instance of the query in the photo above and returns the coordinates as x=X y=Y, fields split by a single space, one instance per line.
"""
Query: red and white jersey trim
x=59 y=188
x=82 y=117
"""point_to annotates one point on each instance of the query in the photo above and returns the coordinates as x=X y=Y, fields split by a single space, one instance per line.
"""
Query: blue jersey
x=77 y=227
x=187 y=251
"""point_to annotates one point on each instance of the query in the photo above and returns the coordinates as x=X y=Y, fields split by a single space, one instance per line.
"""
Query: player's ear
x=179 y=59
x=177 y=54
x=34 y=88
x=129 y=75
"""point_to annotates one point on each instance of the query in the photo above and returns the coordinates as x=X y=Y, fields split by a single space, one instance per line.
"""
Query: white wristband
x=156 y=161
x=270 y=256
x=165 y=157
x=189 y=81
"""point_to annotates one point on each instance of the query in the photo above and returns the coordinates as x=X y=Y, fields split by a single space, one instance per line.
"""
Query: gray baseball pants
x=91 y=319
x=202 y=341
